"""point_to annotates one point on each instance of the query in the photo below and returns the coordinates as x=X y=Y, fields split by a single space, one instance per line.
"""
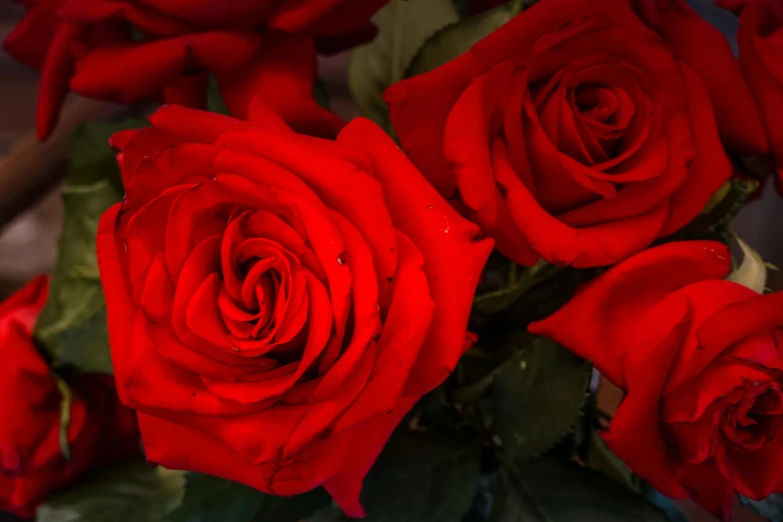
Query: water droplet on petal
x=431 y=207
x=125 y=245
x=342 y=258
x=235 y=349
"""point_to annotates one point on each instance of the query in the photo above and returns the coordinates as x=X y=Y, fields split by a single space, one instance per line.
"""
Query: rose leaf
x=71 y=327
x=456 y=39
x=403 y=26
x=537 y=395
x=546 y=490
x=215 y=101
x=212 y=499
x=130 y=492
x=422 y=477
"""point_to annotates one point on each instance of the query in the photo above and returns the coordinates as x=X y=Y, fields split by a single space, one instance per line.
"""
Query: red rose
x=574 y=133
x=31 y=460
x=260 y=47
x=760 y=39
x=701 y=360
x=277 y=303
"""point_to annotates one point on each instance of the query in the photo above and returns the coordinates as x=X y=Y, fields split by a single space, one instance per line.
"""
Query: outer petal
x=635 y=434
x=709 y=488
x=178 y=446
x=468 y=154
x=128 y=73
x=281 y=77
x=761 y=57
x=517 y=38
x=740 y=320
x=54 y=78
x=116 y=291
x=603 y=315
x=710 y=167
x=24 y=305
x=323 y=17
x=369 y=439
x=29 y=42
x=448 y=243
x=701 y=46
x=419 y=118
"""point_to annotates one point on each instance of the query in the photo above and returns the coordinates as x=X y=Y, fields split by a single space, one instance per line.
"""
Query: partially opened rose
x=576 y=133
x=32 y=462
x=277 y=303
x=701 y=360
x=131 y=50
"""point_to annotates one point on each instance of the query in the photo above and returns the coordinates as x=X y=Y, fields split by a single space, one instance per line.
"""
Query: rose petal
x=448 y=242
x=593 y=327
x=422 y=138
x=635 y=434
x=368 y=441
x=707 y=52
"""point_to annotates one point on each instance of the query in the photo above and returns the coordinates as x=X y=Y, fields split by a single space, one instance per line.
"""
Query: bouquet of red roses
x=262 y=311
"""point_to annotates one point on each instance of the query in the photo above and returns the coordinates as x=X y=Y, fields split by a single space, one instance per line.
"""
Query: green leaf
x=546 y=490
x=130 y=492
x=66 y=401
x=403 y=26
x=321 y=93
x=771 y=508
x=215 y=102
x=601 y=459
x=75 y=297
x=212 y=499
x=422 y=477
x=90 y=158
x=457 y=38
x=85 y=344
x=537 y=395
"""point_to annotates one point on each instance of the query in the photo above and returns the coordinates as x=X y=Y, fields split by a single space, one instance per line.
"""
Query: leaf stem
x=65 y=415
x=516 y=7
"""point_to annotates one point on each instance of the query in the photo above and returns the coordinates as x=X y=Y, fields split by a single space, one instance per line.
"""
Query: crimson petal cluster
x=277 y=302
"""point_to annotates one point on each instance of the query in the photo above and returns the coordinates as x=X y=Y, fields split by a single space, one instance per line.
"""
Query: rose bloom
x=277 y=303
x=131 y=50
x=760 y=39
x=701 y=361
x=578 y=133
x=32 y=464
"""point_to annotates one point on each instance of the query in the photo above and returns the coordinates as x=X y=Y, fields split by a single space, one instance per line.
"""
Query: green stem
x=65 y=415
x=516 y=6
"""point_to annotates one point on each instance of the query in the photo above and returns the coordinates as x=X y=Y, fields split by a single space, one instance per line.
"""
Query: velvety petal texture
x=701 y=362
x=32 y=464
x=277 y=302
x=577 y=133
x=127 y=51
x=760 y=40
